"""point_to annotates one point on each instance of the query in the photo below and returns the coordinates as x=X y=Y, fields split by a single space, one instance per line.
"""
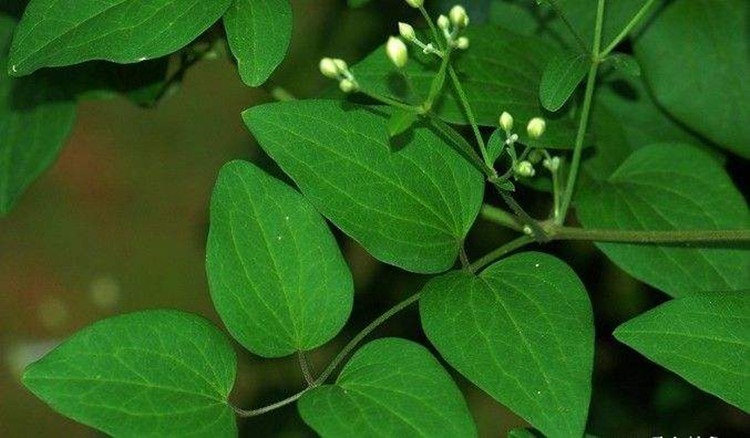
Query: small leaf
x=670 y=187
x=276 y=275
x=258 y=33
x=523 y=332
x=695 y=59
x=390 y=387
x=496 y=144
x=152 y=373
x=400 y=121
x=36 y=117
x=704 y=338
x=561 y=78
x=625 y=63
x=500 y=72
x=53 y=33
x=409 y=204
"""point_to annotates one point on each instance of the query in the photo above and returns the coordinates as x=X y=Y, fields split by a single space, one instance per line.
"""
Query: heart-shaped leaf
x=258 y=33
x=704 y=338
x=152 y=373
x=54 y=33
x=276 y=275
x=670 y=187
x=522 y=331
x=695 y=59
x=410 y=203
x=390 y=387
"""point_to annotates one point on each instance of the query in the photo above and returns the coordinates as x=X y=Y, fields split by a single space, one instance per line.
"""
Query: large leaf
x=258 y=33
x=704 y=338
x=670 y=187
x=276 y=275
x=523 y=331
x=54 y=33
x=409 y=204
x=35 y=119
x=695 y=57
x=152 y=373
x=501 y=71
x=389 y=388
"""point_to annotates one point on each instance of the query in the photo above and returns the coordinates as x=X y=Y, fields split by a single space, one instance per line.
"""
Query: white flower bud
x=406 y=31
x=396 y=50
x=415 y=3
x=536 y=127
x=348 y=86
x=341 y=65
x=506 y=121
x=459 y=18
x=552 y=164
x=462 y=43
x=524 y=169
x=443 y=23
x=329 y=68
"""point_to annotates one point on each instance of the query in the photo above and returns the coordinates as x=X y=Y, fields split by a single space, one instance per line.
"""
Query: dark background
x=119 y=224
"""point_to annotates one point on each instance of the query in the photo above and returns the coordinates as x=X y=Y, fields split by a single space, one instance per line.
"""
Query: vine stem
x=585 y=113
x=501 y=217
x=633 y=236
x=469 y=115
x=495 y=254
x=363 y=334
x=304 y=365
x=343 y=354
x=626 y=30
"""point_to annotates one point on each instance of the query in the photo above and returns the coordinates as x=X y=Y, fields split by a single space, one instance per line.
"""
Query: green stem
x=304 y=365
x=585 y=113
x=500 y=217
x=539 y=234
x=433 y=28
x=271 y=407
x=631 y=236
x=437 y=82
x=500 y=252
x=363 y=334
x=469 y=115
x=626 y=30
x=392 y=102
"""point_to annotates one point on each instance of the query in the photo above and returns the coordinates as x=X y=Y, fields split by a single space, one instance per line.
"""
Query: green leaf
x=670 y=187
x=258 y=33
x=53 y=33
x=500 y=72
x=36 y=117
x=695 y=58
x=152 y=373
x=390 y=388
x=496 y=144
x=276 y=275
x=704 y=338
x=400 y=121
x=409 y=204
x=625 y=63
x=561 y=78
x=522 y=331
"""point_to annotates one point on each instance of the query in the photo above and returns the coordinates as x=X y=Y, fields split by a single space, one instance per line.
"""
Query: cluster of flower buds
x=453 y=25
x=337 y=69
x=535 y=128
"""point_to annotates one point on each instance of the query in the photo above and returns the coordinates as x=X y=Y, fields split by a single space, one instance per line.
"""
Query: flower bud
x=443 y=23
x=506 y=121
x=524 y=169
x=552 y=164
x=462 y=43
x=329 y=68
x=396 y=50
x=406 y=31
x=459 y=18
x=536 y=127
x=341 y=65
x=348 y=86
x=415 y=3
